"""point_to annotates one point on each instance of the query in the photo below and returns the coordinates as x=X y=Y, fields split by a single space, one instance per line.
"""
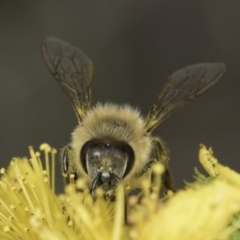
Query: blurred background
x=134 y=45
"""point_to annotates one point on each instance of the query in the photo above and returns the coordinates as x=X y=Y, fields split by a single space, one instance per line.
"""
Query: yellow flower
x=29 y=208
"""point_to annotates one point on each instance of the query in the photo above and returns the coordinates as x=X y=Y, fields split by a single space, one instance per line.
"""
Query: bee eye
x=65 y=158
x=83 y=154
x=128 y=151
x=65 y=162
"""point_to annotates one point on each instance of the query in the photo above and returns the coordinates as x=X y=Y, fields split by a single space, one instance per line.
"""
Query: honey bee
x=114 y=143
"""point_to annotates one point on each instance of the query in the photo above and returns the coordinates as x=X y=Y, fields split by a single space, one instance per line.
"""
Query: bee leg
x=66 y=157
x=161 y=154
x=167 y=181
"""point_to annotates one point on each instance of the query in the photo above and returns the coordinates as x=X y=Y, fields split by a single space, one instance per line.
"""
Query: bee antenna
x=94 y=184
x=114 y=176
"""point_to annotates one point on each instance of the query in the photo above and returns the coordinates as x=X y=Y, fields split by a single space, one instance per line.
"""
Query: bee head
x=106 y=161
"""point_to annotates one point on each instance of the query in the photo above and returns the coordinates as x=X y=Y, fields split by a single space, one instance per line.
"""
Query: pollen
x=207 y=208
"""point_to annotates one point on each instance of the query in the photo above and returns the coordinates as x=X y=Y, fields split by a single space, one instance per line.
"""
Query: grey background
x=134 y=45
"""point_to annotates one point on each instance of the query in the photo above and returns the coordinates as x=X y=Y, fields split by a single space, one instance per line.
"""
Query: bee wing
x=72 y=70
x=181 y=87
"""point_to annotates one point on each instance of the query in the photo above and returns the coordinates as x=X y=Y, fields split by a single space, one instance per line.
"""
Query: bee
x=112 y=143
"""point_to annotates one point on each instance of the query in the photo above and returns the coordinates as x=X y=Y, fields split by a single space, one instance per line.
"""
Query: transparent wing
x=183 y=86
x=72 y=70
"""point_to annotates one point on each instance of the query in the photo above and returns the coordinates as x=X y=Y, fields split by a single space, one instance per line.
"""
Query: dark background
x=134 y=45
